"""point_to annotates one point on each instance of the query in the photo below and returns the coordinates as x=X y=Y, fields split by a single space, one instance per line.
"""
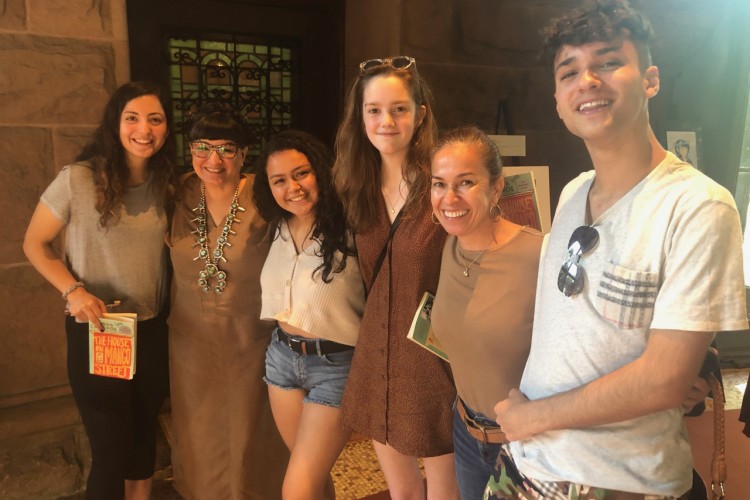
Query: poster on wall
x=683 y=145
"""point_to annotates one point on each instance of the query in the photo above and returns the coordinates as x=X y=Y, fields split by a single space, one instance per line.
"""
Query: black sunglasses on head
x=571 y=278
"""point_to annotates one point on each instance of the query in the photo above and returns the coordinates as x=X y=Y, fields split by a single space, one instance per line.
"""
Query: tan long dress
x=225 y=444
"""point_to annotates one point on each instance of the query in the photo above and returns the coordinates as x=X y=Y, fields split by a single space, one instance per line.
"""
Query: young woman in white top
x=313 y=289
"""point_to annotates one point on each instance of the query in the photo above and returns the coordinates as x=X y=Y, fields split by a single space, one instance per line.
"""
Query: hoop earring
x=434 y=219
x=499 y=214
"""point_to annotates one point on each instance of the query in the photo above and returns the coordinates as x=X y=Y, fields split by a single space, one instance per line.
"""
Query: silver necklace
x=468 y=266
x=211 y=268
x=392 y=207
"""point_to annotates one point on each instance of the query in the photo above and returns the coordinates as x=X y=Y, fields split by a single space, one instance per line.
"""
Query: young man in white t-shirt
x=642 y=266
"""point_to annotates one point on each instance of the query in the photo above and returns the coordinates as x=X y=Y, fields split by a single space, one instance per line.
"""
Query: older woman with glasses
x=225 y=442
x=398 y=394
x=484 y=307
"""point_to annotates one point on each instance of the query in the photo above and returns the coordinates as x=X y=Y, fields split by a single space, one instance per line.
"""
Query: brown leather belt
x=483 y=433
x=305 y=346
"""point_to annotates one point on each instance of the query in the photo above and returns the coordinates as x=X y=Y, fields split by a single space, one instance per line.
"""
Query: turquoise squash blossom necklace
x=211 y=270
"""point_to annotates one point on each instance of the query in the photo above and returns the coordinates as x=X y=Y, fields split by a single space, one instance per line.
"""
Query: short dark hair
x=213 y=122
x=600 y=21
x=330 y=225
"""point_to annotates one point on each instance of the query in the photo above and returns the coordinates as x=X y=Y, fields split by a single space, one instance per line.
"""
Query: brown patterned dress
x=399 y=393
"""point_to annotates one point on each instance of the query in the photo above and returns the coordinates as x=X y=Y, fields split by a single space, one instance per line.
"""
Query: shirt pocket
x=626 y=297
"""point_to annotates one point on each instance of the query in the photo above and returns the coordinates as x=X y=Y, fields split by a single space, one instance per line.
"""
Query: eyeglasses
x=398 y=62
x=203 y=150
x=571 y=278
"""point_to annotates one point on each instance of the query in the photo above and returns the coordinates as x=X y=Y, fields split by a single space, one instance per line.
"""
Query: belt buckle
x=302 y=344
x=481 y=428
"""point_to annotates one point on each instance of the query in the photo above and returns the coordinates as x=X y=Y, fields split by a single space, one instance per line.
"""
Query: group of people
x=571 y=356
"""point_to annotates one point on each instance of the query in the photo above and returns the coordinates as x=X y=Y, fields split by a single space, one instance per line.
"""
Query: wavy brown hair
x=356 y=173
x=106 y=154
x=330 y=225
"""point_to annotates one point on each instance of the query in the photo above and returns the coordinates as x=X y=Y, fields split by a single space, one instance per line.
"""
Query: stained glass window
x=254 y=79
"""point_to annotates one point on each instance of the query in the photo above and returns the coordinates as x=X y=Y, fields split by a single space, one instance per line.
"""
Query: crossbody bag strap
x=718 y=462
x=381 y=257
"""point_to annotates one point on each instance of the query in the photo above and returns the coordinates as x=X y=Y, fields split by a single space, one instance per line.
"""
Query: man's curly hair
x=600 y=21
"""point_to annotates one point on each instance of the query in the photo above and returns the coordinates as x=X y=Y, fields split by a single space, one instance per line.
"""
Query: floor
x=735 y=380
x=357 y=474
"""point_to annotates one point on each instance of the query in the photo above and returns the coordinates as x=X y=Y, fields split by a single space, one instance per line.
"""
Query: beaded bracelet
x=71 y=288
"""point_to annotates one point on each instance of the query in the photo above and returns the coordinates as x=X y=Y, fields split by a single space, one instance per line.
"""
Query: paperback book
x=112 y=351
x=421 y=327
x=519 y=200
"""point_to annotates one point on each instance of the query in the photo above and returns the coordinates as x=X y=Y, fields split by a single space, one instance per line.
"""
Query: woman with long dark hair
x=113 y=205
x=312 y=288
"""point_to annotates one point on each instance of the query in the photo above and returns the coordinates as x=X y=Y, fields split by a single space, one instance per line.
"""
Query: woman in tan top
x=225 y=442
x=484 y=307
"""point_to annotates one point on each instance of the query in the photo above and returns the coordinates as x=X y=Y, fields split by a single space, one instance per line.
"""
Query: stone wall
x=61 y=59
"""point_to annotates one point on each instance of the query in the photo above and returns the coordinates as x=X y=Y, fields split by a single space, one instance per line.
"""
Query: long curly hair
x=357 y=170
x=106 y=154
x=330 y=225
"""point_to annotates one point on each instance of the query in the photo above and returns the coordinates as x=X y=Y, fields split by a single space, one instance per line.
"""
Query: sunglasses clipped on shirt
x=572 y=275
x=397 y=62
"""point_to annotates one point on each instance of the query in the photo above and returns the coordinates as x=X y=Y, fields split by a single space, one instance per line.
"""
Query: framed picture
x=684 y=146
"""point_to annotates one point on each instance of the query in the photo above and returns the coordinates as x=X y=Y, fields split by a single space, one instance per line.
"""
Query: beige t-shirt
x=125 y=261
x=484 y=320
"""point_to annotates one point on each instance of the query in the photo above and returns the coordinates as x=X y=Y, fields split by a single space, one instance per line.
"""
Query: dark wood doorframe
x=317 y=25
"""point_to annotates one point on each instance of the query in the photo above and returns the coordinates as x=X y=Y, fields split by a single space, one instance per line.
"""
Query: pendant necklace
x=392 y=207
x=211 y=269
x=468 y=266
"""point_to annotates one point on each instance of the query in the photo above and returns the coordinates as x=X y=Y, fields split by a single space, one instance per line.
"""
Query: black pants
x=120 y=415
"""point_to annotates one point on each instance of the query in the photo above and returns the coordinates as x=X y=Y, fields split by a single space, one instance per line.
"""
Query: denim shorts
x=323 y=378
